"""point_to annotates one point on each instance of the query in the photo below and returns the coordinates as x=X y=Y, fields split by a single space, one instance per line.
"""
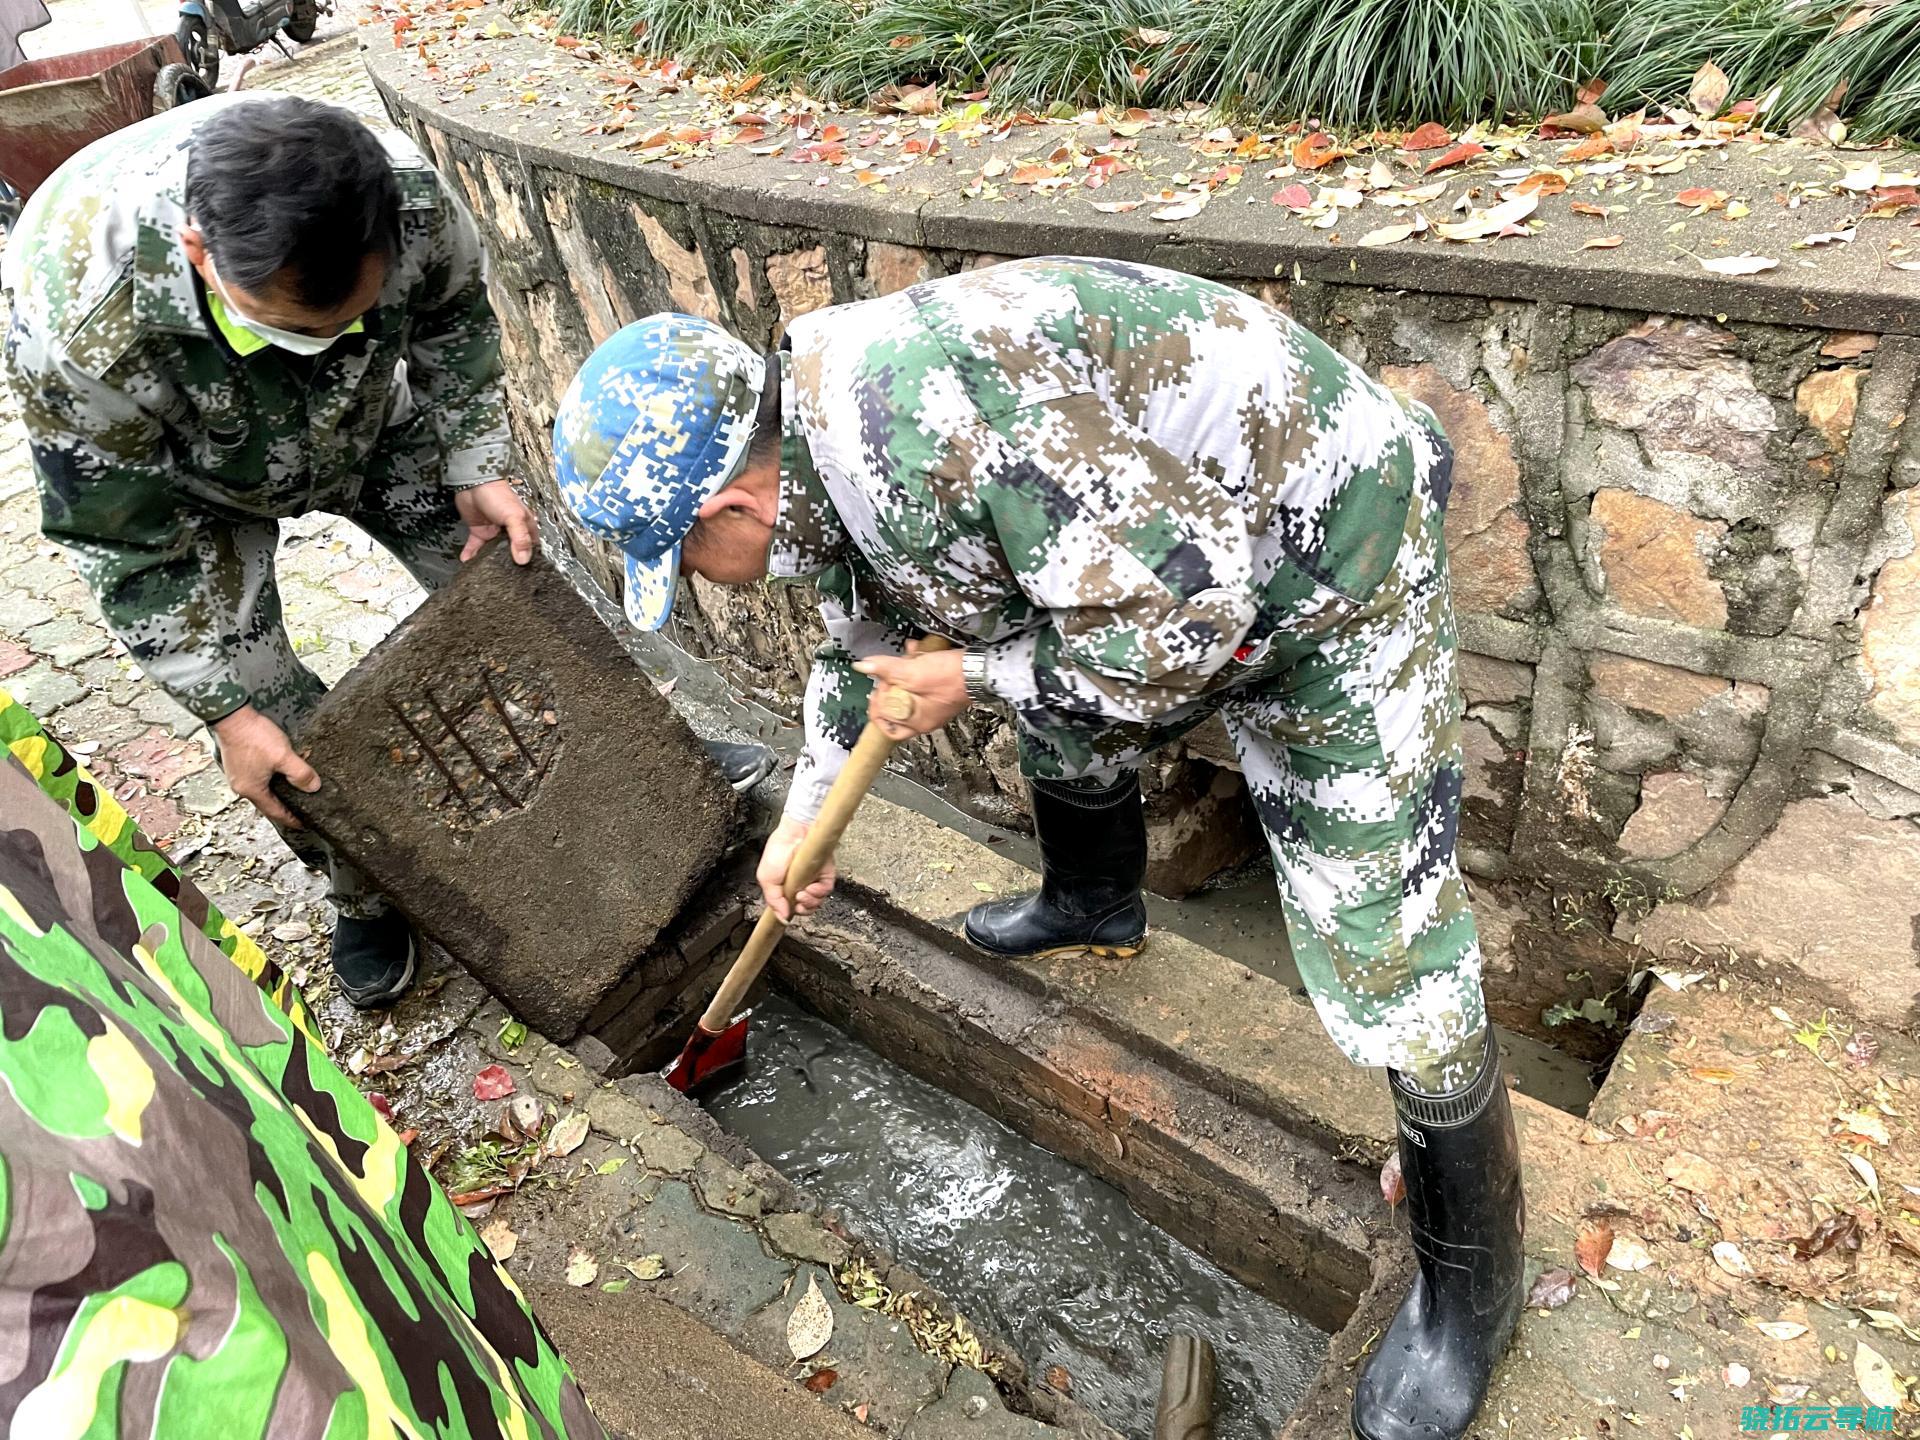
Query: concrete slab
x=517 y=786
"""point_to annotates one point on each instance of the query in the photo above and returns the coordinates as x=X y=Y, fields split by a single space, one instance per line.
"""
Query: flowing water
x=1016 y=1237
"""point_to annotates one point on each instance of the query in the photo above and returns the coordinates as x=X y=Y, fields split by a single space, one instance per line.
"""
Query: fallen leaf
x=1728 y=1257
x=1701 y=197
x=1314 y=150
x=1860 y=178
x=1186 y=207
x=1779 y=1329
x=1110 y=207
x=1841 y=1231
x=609 y=1165
x=1861 y=1050
x=1707 y=95
x=1393 y=1185
x=1482 y=223
x=616 y=1287
x=810 y=1325
x=1458 y=155
x=1876 y=1378
x=1865 y=1124
x=1826 y=237
x=1591 y=148
x=499 y=1239
x=1736 y=1375
x=918 y=100
x=1692 y=1172
x=1295 y=196
x=1386 y=235
x=1590 y=1250
x=1868 y=1175
x=1553 y=1289
x=1541 y=182
x=647 y=1267
x=1629 y=1253
x=492 y=1083
x=1582 y=207
x=1719 y=1074
x=821 y=1381
x=568 y=1135
x=1605 y=242
x=1059 y=1379
x=1584 y=119
x=1430 y=136
x=1594 y=1135
x=582 y=1268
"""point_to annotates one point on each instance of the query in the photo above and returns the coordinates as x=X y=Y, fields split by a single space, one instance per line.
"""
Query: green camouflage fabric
x=92 y=806
x=205 y=1230
x=1148 y=498
x=152 y=441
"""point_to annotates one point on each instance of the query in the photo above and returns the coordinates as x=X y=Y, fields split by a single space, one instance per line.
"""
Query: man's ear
x=195 y=246
x=732 y=497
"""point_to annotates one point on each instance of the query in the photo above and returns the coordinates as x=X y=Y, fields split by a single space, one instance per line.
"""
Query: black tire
x=10 y=203
x=304 y=20
x=203 y=56
x=177 y=85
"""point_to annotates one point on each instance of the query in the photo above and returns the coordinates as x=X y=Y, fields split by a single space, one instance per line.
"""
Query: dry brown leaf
x=1295 y=196
x=1482 y=223
x=1583 y=119
x=1553 y=1289
x=918 y=100
x=568 y=1135
x=1152 y=37
x=582 y=1268
x=810 y=1325
x=1386 y=235
x=1836 y=1231
x=1605 y=242
x=1707 y=95
x=1629 y=1253
x=499 y=1238
x=1311 y=152
x=1583 y=207
x=1541 y=182
x=1692 y=1172
x=1458 y=155
x=1590 y=1250
x=1719 y=1074
x=1059 y=1379
x=1393 y=1186
x=1876 y=1378
x=1779 y=1329
x=1702 y=197
x=821 y=1381
x=1865 y=1124
x=1430 y=136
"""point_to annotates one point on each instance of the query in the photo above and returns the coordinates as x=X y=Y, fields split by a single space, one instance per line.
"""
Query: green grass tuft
x=1880 y=62
x=1654 y=51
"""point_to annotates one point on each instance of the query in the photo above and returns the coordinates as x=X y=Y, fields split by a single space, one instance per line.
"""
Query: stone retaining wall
x=1683 y=542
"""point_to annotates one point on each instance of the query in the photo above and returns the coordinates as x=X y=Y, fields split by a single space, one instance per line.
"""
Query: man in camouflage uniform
x=235 y=313
x=1134 y=499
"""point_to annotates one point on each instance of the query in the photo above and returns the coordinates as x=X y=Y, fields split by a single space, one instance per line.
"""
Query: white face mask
x=289 y=340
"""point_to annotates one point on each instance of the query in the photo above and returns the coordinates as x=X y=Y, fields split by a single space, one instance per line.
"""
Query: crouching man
x=1135 y=499
x=235 y=313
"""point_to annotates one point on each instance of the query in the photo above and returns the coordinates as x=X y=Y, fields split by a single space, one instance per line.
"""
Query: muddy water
x=1051 y=1257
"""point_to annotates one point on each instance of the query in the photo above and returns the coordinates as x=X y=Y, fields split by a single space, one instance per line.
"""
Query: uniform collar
x=166 y=293
x=808 y=535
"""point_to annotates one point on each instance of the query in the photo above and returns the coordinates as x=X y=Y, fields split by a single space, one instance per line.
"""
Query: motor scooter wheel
x=201 y=51
x=303 y=21
x=176 y=85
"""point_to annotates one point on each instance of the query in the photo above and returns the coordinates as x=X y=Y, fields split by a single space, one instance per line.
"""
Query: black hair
x=295 y=189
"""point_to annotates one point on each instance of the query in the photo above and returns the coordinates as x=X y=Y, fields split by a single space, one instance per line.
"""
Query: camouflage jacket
x=147 y=431
x=1117 y=481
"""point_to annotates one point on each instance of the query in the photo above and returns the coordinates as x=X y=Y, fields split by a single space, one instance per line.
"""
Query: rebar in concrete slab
x=432 y=754
x=472 y=754
x=1186 y=1390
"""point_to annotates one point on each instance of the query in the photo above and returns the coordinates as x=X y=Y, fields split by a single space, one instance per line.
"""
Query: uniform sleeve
x=836 y=705
x=106 y=494
x=453 y=360
x=1146 y=576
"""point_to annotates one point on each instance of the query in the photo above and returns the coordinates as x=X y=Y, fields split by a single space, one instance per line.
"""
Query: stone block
x=1655 y=559
x=1664 y=690
x=1486 y=529
x=895 y=267
x=520 y=789
x=1827 y=400
x=801 y=283
x=971 y=1410
x=1675 y=810
x=1485 y=680
x=1683 y=388
x=804 y=1238
x=1831 y=893
x=689 y=287
x=1201 y=824
x=1890 y=631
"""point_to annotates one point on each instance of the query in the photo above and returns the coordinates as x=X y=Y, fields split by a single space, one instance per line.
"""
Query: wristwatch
x=973 y=668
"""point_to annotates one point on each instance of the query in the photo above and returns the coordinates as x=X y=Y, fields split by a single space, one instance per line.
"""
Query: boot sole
x=1102 y=952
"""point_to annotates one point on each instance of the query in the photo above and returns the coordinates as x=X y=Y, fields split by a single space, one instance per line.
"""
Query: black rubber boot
x=1461 y=1165
x=744 y=766
x=373 y=959
x=1093 y=862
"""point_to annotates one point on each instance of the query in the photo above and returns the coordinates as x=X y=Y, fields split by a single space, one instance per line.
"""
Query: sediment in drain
x=1044 y=1252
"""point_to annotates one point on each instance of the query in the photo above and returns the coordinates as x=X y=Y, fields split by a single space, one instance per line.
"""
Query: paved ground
x=86 y=24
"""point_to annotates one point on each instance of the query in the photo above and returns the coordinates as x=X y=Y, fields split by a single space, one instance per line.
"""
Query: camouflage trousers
x=402 y=503
x=1350 y=740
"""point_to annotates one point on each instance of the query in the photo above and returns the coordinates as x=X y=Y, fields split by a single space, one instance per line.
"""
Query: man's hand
x=252 y=751
x=933 y=682
x=772 y=873
x=490 y=508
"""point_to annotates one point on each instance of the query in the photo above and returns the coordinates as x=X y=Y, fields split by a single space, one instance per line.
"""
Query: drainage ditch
x=1054 y=1259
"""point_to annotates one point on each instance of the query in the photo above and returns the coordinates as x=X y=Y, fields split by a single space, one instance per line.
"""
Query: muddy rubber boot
x=742 y=766
x=1093 y=861
x=1461 y=1165
x=373 y=959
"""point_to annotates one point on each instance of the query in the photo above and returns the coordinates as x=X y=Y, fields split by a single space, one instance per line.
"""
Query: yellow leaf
x=1876 y=1378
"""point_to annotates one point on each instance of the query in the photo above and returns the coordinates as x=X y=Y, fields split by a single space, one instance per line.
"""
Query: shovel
x=718 y=1046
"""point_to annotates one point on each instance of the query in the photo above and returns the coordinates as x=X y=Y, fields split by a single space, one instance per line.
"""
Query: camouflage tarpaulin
x=204 y=1228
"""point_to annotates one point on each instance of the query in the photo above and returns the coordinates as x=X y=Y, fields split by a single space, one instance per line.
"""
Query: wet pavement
x=1053 y=1258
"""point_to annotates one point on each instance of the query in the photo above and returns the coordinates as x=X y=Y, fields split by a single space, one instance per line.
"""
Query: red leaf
x=1428 y=137
x=1701 y=195
x=1295 y=196
x=1312 y=151
x=382 y=1106
x=1458 y=155
x=1596 y=1239
x=492 y=1083
x=1545 y=182
x=821 y=1381
x=1583 y=207
x=1393 y=1186
x=1591 y=148
x=566 y=42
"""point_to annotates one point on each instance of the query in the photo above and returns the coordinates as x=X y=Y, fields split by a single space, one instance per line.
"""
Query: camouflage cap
x=656 y=422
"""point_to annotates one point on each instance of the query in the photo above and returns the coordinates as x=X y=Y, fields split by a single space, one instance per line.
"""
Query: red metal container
x=52 y=109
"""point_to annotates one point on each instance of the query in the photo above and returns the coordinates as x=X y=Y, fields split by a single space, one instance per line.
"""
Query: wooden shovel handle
x=850 y=787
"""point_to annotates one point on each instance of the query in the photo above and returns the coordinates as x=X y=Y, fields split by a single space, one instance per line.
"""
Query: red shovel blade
x=710 y=1056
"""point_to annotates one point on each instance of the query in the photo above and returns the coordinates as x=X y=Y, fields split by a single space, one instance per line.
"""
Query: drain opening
x=1017 y=1237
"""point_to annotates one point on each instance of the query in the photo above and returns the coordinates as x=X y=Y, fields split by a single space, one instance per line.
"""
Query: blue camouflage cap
x=655 y=424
